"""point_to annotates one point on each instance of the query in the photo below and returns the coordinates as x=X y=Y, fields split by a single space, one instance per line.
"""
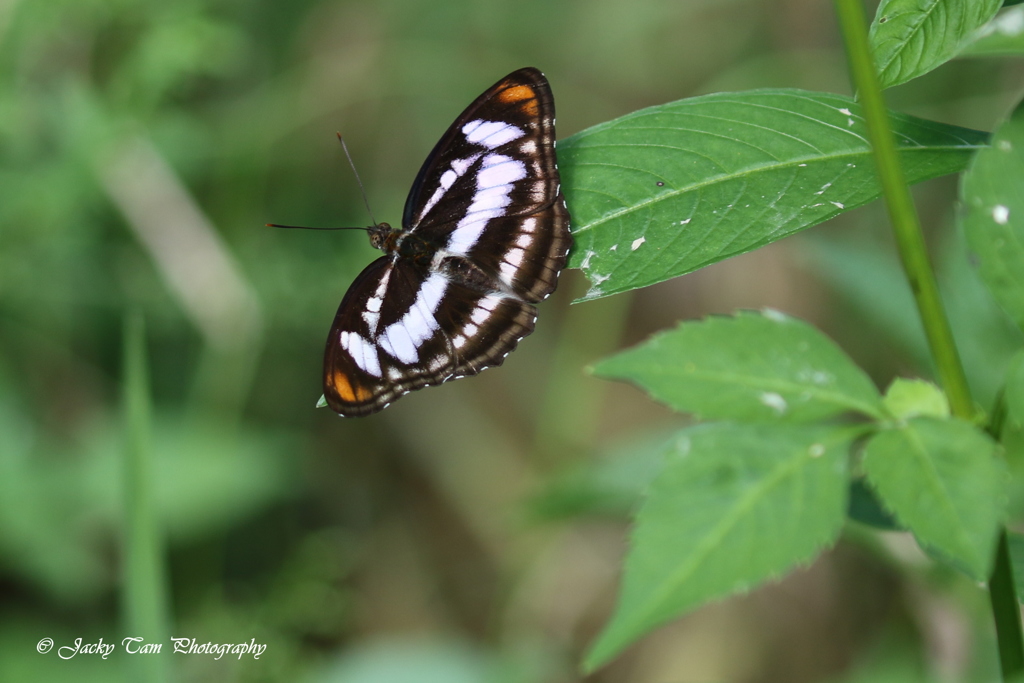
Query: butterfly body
x=484 y=236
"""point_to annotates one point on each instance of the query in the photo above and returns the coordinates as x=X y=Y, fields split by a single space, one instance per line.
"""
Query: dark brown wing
x=483 y=328
x=385 y=340
x=402 y=327
x=490 y=219
x=490 y=190
x=522 y=101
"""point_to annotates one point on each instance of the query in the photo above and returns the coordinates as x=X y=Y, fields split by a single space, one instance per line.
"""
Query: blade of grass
x=907 y=230
x=143 y=583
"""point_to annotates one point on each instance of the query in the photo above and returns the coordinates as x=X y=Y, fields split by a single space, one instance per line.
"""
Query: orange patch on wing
x=516 y=93
x=347 y=391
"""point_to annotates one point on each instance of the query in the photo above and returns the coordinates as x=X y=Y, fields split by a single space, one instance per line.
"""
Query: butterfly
x=484 y=236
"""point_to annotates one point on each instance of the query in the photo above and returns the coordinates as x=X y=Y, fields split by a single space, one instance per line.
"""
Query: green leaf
x=1001 y=37
x=1016 y=543
x=944 y=482
x=1012 y=440
x=751 y=368
x=734 y=505
x=1012 y=435
x=907 y=398
x=909 y=38
x=1015 y=389
x=669 y=189
x=865 y=508
x=613 y=484
x=993 y=216
x=985 y=335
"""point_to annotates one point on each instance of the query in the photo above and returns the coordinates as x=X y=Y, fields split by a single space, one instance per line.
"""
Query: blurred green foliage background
x=461 y=535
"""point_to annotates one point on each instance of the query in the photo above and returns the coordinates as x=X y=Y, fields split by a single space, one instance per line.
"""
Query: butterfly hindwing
x=432 y=329
x=386 y=340
x=483 y=327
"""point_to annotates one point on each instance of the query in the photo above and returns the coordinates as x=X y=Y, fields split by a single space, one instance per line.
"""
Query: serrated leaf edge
x=713 y=538
x=921 y=453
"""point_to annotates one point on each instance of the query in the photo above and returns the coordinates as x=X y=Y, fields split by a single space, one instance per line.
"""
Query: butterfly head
x=379 y=235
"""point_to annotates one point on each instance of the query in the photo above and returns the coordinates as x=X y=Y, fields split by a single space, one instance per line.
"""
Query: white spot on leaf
x=586 y=259
x=637 y=242
x=774 y=401
x=1001 y=214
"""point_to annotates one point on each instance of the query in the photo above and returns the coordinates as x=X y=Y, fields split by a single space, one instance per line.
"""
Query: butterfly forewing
x=527 y=253
x=485 y=235
x=512 y=122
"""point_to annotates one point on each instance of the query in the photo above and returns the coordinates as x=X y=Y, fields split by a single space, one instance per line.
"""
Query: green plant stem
x=143 y=583
x=916 y=265
x=902 y=214
x=1002 y=593
x=1002 y=588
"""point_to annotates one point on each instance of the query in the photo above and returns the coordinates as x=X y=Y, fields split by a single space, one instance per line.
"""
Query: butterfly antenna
x=359 y=180
x=306 y=227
